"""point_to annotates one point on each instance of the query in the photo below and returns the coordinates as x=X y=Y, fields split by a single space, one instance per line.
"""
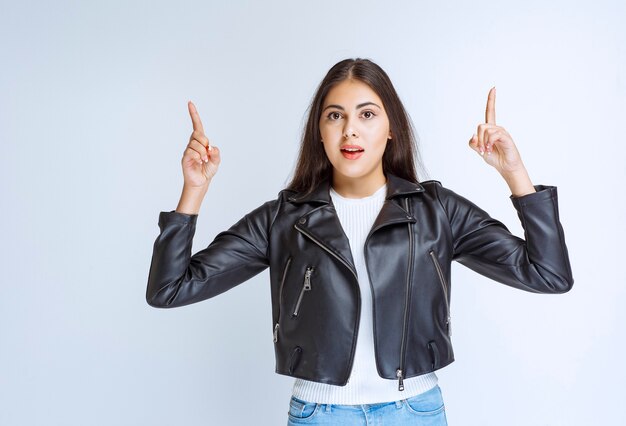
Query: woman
x=360 y=253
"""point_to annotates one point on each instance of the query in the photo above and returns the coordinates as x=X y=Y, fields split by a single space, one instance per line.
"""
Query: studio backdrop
x=93 y=124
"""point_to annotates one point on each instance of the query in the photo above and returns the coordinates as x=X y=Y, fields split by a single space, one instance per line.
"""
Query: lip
x=351 y=155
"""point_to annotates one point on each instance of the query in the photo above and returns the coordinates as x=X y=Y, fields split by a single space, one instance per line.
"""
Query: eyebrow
x=357 y=107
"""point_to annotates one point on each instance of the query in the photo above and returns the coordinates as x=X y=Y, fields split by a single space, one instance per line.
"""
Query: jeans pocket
x=428 y=403
x=302 y=410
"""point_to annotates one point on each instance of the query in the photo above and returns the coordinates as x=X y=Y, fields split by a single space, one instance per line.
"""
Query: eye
x=368 y=114
x=333 y=116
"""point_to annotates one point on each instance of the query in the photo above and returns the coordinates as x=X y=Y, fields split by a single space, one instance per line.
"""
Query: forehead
x=350 y=93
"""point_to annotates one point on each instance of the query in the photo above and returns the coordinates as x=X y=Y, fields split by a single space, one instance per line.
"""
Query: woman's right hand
x=200 y=159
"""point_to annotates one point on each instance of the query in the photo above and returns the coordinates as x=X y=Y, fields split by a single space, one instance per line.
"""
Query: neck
x=358 y=187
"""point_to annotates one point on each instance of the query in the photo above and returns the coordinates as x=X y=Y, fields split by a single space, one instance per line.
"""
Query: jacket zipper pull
x=306 y=286
x=307 y=279
x=400 y=379
x=276 y=333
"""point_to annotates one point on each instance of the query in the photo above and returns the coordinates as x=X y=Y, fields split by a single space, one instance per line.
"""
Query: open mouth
x=352 y=152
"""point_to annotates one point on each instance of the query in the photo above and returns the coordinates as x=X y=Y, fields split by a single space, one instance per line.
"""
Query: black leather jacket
x=421 y=229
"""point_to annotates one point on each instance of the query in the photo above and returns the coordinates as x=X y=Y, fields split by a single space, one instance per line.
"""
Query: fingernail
x=210 y=148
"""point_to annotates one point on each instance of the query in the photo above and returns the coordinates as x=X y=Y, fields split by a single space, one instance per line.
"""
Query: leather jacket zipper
x=399 y=374
x=445 y=291
x=306 y=286
x=280 y=299
x=400 y=371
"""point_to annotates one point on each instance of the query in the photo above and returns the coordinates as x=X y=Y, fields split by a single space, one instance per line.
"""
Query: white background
x=93 y=123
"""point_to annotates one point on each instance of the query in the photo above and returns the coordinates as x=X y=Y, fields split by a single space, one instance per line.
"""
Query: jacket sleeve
x=539 y=263
x=177 y=278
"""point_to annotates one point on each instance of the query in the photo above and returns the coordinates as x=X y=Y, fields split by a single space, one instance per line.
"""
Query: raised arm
x=540 y=263
x=176 y=277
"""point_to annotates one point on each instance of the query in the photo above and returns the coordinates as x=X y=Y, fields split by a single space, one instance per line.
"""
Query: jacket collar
x=395 y=186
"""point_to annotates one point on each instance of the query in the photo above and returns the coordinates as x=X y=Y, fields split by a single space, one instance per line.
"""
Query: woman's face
x=354 y=128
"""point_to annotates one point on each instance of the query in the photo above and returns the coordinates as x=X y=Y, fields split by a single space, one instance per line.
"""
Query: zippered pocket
x=306 y=286
x=442 y=281
x=280 y=299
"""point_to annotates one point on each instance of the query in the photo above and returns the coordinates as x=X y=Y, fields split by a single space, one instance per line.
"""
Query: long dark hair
x=401 y=154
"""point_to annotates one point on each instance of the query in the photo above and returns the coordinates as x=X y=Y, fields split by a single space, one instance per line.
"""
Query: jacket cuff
x=175 y=217
x=543 y=193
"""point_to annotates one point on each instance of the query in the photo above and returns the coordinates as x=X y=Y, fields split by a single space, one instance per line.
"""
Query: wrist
x=519 y=182
x=191 y=199
x=188 y=189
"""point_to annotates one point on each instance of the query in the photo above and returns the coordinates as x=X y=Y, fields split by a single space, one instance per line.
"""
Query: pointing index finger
x=195 y=117
x=490 y=112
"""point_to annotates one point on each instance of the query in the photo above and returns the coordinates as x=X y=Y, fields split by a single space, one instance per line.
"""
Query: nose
x=349 y=131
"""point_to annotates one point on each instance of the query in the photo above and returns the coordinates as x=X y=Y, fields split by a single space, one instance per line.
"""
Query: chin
x=353 y=172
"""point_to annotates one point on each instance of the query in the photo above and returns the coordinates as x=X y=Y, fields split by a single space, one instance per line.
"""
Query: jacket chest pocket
x=304 y=288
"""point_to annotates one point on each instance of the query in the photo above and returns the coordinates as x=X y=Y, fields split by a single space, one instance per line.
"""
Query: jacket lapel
x=323 y=227
x=393 y=211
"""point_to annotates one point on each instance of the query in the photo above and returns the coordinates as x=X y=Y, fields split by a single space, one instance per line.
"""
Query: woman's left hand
x=494 y=143
x=498 y=149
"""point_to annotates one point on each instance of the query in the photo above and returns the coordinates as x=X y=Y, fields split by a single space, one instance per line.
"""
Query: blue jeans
x=425 y=409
